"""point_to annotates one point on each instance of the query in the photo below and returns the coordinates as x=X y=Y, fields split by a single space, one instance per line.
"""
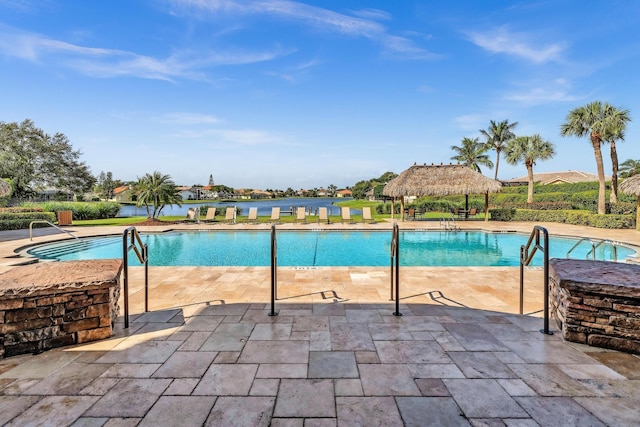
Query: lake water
x=264 y=206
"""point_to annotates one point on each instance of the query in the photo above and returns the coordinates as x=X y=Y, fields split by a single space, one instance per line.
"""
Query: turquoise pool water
x=322 y=248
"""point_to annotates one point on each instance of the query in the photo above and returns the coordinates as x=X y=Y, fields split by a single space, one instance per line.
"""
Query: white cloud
x=536 y=93
x=104 y=62
x=188 y=119
x=374 y=14
x=360 y=25
x=501 y=40
x=472 y=122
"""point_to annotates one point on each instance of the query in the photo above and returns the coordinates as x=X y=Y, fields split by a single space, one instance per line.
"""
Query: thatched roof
x=5 y=188
x=631 y=185
x=440 y=180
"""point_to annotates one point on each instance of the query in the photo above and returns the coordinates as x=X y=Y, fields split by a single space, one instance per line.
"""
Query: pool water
x=323 y=248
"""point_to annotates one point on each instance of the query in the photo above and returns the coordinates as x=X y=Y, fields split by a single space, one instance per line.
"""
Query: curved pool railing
x=594 y=246
x=142 y=252
x=525 y=259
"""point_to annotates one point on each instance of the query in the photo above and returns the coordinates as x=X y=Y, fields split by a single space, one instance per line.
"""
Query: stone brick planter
x=596 y=302
x=52 y=304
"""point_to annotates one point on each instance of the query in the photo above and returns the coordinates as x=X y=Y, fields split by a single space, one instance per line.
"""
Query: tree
x=33 y=160
x=595 y=120
x=156 y=190
x=471 y=153
x=528 y=150
x=497 y=136
x=629 y=168
x=106 y=185
x=332 y=190
x=618 y=120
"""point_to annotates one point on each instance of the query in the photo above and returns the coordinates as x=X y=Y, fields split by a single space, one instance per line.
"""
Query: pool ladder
x=449 y=224
x=595 y=246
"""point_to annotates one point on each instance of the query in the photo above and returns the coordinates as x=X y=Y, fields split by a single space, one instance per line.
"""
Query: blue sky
x=277 y=94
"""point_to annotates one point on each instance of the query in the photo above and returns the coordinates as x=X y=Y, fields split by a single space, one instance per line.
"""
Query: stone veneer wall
x=596 y=302
x=52 y=304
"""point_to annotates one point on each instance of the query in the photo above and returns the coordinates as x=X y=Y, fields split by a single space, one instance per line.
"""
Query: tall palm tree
x=156 y=190
x=629 y=168
x=528 y=150
x=595 y=120
x=618 y=120
x=471 y=153
x=497 y=136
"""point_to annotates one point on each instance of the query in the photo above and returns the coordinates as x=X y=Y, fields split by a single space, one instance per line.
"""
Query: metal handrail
x=525 y=259
x=579 y=242
x=142 y=252
x=274 y=271
x=395 y=267
x=613 y=244
x=42 y=221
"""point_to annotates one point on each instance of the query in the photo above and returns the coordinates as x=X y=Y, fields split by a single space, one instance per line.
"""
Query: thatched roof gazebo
x=5 y=188
x=441 y=180
x=631 y=185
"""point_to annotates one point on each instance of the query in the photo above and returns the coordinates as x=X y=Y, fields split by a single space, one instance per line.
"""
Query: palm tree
x=528 y=149
x=156 y=190
x=471 y=153
x=594 y=119
x=497 y=136
x=629 y=168
x=618 y=120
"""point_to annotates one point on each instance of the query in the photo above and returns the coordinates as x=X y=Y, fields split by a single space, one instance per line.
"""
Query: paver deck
x=208 y=353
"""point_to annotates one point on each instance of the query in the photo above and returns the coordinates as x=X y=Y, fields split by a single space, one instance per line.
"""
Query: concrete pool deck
x=207 y=353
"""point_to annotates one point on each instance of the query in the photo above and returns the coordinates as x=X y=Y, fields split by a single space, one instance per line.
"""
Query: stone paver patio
x=208 y=353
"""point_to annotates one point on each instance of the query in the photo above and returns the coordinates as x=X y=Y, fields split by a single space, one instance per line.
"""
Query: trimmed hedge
x=563 y=216
x=81 y=210
x=21 y=220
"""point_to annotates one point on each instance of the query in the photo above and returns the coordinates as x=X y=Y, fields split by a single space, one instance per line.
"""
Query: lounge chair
x=366 y=215
x=253 y=216
x=473 y=212
x=323 y=215
x=275 y=215
x=345 y=213
x=301 y=215
x=193 y=215
x=211 y=215
x=230 y=215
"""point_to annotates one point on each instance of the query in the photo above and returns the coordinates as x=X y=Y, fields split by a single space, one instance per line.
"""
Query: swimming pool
x=322 y=248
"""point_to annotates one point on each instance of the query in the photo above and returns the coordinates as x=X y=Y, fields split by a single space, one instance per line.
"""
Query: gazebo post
x=486 y=206
x=393 y=206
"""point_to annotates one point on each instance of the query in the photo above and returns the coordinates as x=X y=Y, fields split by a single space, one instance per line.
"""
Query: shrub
x=576 y=217
x=81 y=210
x=21 y=220
x=506 y=214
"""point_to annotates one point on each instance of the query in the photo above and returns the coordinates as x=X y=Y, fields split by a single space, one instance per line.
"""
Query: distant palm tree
x=618 y=120
x=629 y=168
x=471 y=153
x=497 y=136
x=528 y=150
x=156 y=190
x=596 y=120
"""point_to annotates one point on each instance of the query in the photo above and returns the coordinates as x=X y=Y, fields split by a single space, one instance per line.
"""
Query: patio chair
x=211 y=215
x=323 y=215
x=252 y=218
x=473 y=212
x=301 y=215
x=345 y=214
x=366 y=215
x=193 y=215
x=275 y=215
x=230 y=215
x=411 y=214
